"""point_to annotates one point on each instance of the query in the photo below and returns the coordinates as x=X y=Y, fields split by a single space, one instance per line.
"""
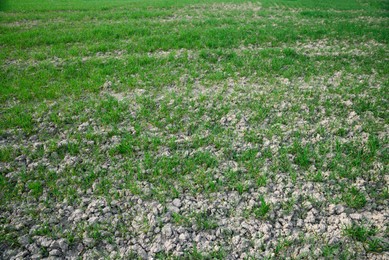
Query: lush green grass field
x=165 y=99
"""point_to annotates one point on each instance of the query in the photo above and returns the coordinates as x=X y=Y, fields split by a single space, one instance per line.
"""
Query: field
x=199 y=129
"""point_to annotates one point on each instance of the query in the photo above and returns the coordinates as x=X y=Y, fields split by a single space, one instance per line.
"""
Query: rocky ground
x=89 y=194
x=259 y=132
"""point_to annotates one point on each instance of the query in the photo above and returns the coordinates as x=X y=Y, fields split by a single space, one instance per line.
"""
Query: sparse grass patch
x=180 y=219
x=136 y=103
x=35 y=188
x=366 y=235
x=360 y=233
x=204 y=221
x=282 y=245
x=377 y=245
x=303 y=155
x=261 y=210
x=330 y=250
x=7 y=154
x=354 y=198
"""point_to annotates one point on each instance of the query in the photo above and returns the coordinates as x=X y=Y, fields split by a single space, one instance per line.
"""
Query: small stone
x=245 y=226
x=356 y=216
x=339 y=209
x=173 y=209
x=9 y=253
x=36 y=256
x=80 y=247
x=197 y=238
x=155 y=211
x=109 y=248
x=305 y=250
x=307 y=205
x=73 y=254
x=333 y=240
x=19 y=226
x=331 y=209
x=113 y=255
x=156 y=248
x=93 y=220
x=245 y=243
x=235 y=240
x=177 y=203
x=55 y=252
x=167 y=230
x=321 y=228
x=24 y=240
x=310 y=217
x=63 y=244
x=169 y=245
x=183 y=237
x=76 y=215
x=142 y=253
x=45 y=242
x=88 y=241
x=21 y=254
x=54 y=245
x=107 y=84
x=33 y=248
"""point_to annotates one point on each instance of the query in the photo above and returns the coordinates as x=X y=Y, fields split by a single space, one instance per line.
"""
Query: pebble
x=167 y=230
x=177 y=203
x=55 y=252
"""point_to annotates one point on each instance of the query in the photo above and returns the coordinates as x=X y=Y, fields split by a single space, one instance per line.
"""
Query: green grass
x=354 y=198
x=193 y=97
x=359 y=232
x=377 y=245
x=262 y=209
x=366 y=235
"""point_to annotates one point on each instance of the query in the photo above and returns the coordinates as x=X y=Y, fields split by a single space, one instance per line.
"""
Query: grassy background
x=192 y=97
x=74 y=29
x=44 y=43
